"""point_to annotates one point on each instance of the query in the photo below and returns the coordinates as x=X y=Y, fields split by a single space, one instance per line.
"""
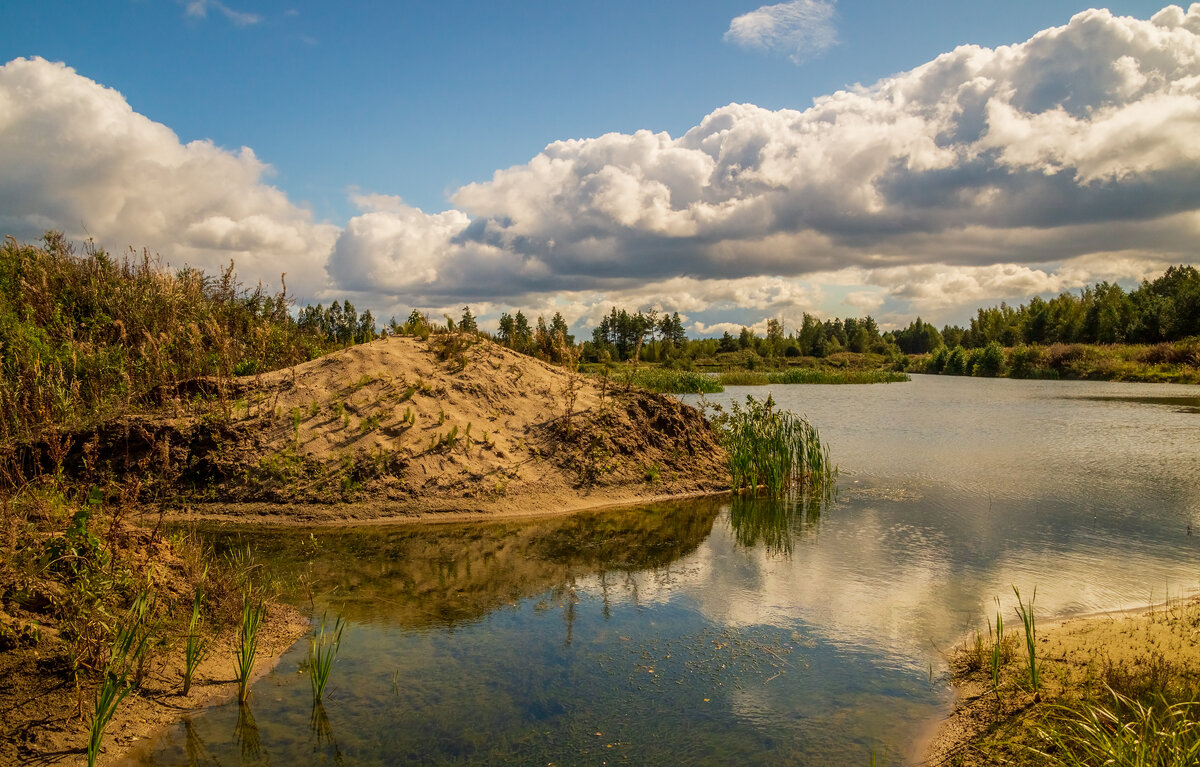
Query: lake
x=719 y=631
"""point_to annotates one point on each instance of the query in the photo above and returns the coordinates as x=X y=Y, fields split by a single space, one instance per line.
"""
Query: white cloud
x=76 y=157
x=803 y=29
x=199 y=9
x=984 y=174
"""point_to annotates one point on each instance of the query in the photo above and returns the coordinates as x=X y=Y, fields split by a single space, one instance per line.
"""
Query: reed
x=126 y=656
x=740 y=377
x=322 y=649
x=196 y=645
x=772 y=451
x=247 y=648
x=1026 y=613
x=670 y=381
x=997 y=649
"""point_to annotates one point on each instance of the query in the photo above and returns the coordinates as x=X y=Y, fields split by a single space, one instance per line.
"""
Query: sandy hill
x=403 y=426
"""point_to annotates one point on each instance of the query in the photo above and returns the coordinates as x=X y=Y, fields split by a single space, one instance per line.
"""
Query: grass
x=1125 y=732
x=1026 y=613
x=322 y=650
x=806 y=375
x=196 y=645
x=247 y=647
x=772 y=451
x=126 y=657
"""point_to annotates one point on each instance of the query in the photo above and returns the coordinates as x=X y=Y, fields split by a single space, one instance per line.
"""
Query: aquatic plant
x=322 y=649
x=806 y=375
x=196 y=645
x=1026 y=613
x=247 y=648
x=997 y=649
x=772 y=450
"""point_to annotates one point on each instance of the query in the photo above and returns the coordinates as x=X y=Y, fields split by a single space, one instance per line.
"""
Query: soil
x=1133 y=652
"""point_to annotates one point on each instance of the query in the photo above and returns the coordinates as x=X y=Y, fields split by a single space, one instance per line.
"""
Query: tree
x=467 y=324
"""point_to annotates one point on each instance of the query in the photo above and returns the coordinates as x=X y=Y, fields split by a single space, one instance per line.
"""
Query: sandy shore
x=1080 y=657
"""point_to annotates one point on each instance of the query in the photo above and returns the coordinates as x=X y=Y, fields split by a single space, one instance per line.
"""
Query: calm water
x=720 y=632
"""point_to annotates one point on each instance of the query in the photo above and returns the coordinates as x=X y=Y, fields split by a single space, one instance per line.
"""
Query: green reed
x=772 y=450
x=196 y=646
x=671 y=381
x=322 y=649
x=127 y=654
x=247 y=649
x=1026 y=613
x=997 y=649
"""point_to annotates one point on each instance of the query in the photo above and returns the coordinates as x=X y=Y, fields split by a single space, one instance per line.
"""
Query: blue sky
x=416 y=100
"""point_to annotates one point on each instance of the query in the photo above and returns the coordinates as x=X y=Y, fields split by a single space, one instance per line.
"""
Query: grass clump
x=196 y=645
x=125 y=663
x=1125 y=732
x=772 y=451
x=322 y=650
x=1026 y=613
x=247 y=647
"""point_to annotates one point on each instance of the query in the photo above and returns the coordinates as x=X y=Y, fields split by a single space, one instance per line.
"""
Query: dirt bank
x=1138 y=653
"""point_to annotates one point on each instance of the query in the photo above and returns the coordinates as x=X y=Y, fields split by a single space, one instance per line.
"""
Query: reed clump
x=1123 y=732
x=807 y=375
x=323 y=648
x=247 y=647
x=771 y=451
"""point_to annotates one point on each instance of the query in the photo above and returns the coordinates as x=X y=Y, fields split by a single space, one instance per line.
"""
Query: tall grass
x=196 y=645
x=247 y=648
x=772 y=451
x=669 y=380
x=1127 y=733
x=126 y=657
x=739 y=377
x=1026 y=613
x=322 y=649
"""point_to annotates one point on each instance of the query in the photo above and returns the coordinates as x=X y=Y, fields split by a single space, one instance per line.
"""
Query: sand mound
x=402 y=427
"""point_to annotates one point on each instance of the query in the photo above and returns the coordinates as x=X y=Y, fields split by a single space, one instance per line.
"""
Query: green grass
x=1125 y=733
x=770 y=450
x=666 y=380
x=322 y=649
x=740 y=377
x=196 y=645
x=1026 y=613
x=125 y=661
x=247 y=648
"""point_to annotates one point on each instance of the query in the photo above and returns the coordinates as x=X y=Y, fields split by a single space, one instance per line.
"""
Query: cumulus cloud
x=199 y=9
x=1078 y=143
x=77 y=158
x=803 y=29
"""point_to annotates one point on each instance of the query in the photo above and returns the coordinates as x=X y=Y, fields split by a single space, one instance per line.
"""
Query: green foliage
x=125 y=663
x=322 y=650
x=665 y=380
x=809 y=376
x=247 y=646
x=196 y=645
x=1125 y=733
x=772 y=450
x=1027 y=618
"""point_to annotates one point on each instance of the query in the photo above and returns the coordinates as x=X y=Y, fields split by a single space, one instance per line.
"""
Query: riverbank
x=1147 y=656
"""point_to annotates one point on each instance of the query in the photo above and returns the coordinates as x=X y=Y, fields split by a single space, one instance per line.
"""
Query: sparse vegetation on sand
x=1109 y=690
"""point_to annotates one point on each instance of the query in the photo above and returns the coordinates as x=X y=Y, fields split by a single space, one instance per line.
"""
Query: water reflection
x=774 y=523
x=324 y=744
x=245 y=734
x=445 y=575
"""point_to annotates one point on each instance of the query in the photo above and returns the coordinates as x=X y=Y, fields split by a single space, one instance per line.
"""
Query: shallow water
x=718 y=631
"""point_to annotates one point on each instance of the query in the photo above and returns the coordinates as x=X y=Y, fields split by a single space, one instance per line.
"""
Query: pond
x=721 y=631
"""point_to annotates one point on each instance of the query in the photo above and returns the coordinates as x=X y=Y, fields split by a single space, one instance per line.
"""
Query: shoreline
x=1076 y=654
x=422 y=512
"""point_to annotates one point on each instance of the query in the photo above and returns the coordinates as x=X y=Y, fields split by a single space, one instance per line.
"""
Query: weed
x=196 y=645
x=247 y=648
x=1026 y=613
x=652 y=472
x=1126 y=732
x=322 y=649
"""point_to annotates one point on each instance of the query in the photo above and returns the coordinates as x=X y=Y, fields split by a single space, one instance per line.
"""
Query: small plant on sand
x=127 y=653
x=1026 y=613
x=247 y=648
x=196 y=646
x=322 y=649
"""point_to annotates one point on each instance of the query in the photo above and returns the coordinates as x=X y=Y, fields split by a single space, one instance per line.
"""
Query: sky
x=730 y=161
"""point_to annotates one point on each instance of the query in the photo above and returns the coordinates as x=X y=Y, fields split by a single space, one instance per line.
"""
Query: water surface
x=732 y=631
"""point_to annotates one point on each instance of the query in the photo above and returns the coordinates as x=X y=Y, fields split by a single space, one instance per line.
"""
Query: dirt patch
x=1137 y=653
